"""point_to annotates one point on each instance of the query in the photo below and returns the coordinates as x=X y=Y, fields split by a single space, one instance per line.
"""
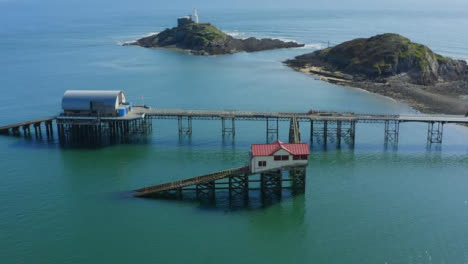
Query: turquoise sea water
x=362 y=205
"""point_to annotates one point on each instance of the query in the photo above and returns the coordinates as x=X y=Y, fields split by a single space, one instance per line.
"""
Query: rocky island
x=392 y=65
x=206 y=39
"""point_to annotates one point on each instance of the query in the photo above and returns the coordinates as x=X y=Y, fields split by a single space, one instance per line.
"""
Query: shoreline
x=421 y=98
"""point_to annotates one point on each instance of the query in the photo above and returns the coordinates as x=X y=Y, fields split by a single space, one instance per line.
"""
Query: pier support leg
x=238 y=188
x=206 y=191
x=346 y=131
x=26 y=131
x=338 y=134
x=319 y=130
x=272 y=129
x=434 y=133
x=311 y=132
x=271 y=186
x=226 y=129
x=392 y=130
x=298 y=176
x=51 y=129
x=325 y=132
x=16 y=131
x=294 y=132
x=47 y=130
x=187 y=128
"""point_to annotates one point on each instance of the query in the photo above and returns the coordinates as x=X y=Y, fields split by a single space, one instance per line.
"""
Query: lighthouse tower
x=195 y=16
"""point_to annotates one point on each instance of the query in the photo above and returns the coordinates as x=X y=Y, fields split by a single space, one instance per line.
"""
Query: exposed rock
x=392 y=65
x=206 y=39
x=386 y=55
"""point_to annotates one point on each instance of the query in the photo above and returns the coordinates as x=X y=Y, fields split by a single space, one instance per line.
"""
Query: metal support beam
x=16 y=131
x=228 y=129
x=338 y=133
x=206 y=191
x=238 y=187
x=271 y=185
x=185 y=128
x=294 y=132
x=27 y=130
x=272 y=129
x=392 y=131
x=325 y=131
x=434 y=132
x=311 y=132
x=298 y=177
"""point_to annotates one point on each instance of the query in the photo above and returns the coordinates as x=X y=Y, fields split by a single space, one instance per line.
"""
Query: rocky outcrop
x=392 y=65
x=383 y=56
x=206 y=39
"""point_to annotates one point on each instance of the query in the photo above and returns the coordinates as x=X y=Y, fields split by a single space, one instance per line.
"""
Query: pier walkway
x=325 y=126
x=271 y=182
x=285 y=116
x=198 y=181
x=26 y=126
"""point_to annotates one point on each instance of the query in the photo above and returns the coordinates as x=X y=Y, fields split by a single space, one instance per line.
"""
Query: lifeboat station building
x=266 y=157
x=99 y=117
x=95 y=102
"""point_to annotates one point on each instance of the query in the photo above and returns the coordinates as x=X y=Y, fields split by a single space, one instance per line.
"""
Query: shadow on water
x=31 y=142
x=223 y=203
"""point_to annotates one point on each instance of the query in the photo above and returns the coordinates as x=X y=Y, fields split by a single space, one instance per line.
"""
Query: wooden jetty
x=14 y=129
x=237 y=181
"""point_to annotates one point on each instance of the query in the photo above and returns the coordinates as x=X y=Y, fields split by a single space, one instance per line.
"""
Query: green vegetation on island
x=206 y=39
x=394 y=66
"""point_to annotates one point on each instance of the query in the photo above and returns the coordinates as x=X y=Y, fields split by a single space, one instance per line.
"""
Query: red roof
x=270 y=149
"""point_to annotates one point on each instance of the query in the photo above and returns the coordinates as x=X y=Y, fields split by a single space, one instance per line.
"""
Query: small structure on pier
x=90 y=102
x=96 y=118
x=265 y=157
x=268 y=179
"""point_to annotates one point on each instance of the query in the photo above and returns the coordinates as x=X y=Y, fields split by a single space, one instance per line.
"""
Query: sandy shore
x=444 y=98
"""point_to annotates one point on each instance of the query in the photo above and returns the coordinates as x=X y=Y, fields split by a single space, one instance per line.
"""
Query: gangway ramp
x=203 y=179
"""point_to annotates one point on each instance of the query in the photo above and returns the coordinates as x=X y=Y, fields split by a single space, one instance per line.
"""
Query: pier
x=37 y=124
x=241 y=182
x=325 y=127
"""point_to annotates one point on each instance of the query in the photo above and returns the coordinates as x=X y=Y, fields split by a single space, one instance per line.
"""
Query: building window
x=262 y=163
x=304 y=157
x=285 y=157
x=296 y=157
x=277 y=157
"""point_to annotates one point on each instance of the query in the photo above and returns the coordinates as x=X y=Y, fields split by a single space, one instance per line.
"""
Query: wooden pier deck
x=324 y=125
x=15 y=128
x=207 y=178
x=27 y=123
x=301 y=116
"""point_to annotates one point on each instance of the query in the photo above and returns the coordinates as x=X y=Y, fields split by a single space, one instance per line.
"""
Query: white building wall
x=271 y=163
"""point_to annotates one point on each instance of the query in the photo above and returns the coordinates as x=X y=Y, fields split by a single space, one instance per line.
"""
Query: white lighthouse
x=195 y=16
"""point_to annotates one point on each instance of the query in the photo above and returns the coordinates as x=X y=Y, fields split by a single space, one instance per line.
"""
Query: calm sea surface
x=362 y=205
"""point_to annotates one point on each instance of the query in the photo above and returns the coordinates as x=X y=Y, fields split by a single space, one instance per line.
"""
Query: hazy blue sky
x=220 y=4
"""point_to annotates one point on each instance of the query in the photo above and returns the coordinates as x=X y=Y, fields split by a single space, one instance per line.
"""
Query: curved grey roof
x=83 y=100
